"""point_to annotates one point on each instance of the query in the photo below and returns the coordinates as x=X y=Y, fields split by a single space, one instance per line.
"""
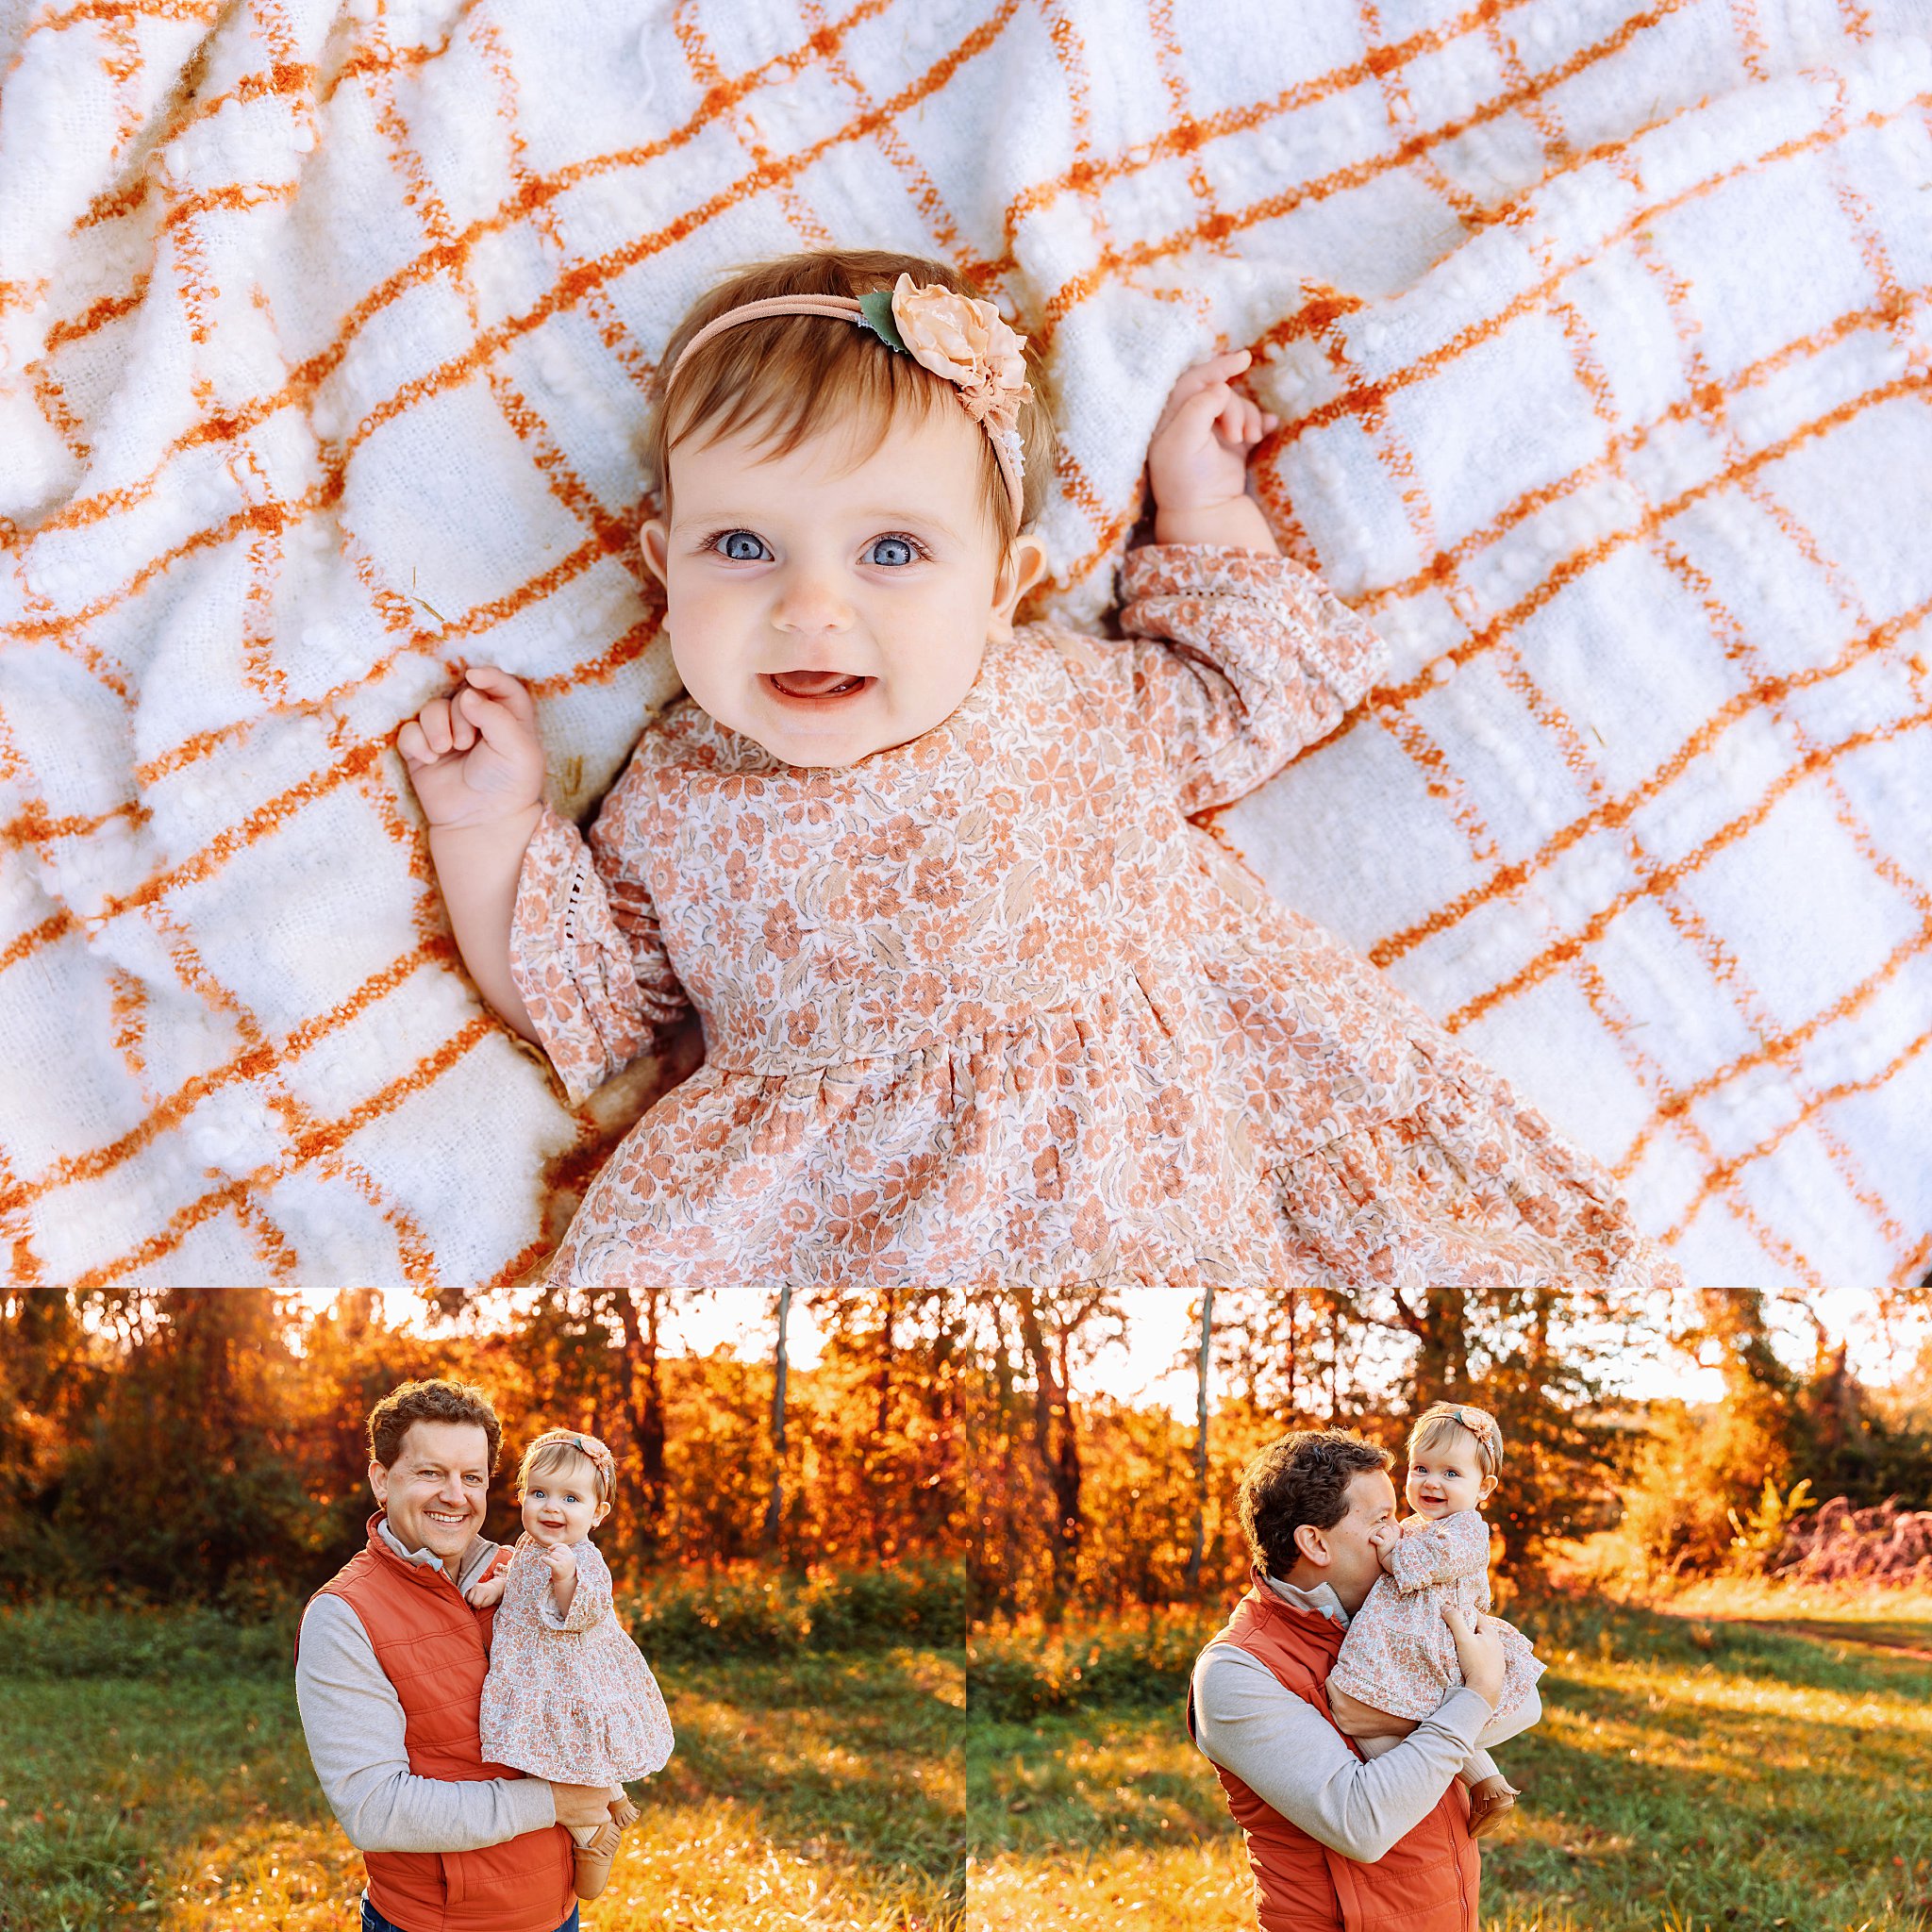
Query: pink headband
x=586 y=1446
x=965 y=341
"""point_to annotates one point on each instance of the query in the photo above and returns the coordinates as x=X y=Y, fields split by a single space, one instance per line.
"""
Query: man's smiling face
x=437 y=1490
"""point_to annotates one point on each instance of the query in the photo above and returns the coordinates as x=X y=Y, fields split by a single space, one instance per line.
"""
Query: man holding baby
x=390 y=1665
x=1334 y=1840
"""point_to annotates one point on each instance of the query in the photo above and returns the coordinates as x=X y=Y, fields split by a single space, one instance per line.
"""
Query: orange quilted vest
x=1426 y=1882
x=435 y=1649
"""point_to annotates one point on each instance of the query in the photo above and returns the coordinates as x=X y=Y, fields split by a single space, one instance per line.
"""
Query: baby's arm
x=478 y=773
x=1455 y=1547
x=563 y=1578
x=559 y=934
x=1234 y=657
x=579 y=1587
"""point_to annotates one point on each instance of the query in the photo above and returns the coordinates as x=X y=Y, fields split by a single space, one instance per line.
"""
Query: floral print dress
x=1399 y=1655
x=569 y=1698
x=986 y=1008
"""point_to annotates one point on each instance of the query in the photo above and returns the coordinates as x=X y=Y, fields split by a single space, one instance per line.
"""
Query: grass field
x=819 y=1790
x=1695 y=1770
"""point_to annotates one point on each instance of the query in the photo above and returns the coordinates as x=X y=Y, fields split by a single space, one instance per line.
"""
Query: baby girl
x=981 y=1002
x=1399 y=1655
x=568 y=1696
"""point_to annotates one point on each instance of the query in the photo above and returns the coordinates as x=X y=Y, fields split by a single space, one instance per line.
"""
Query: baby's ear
x=1025 y=565
x=653 y=540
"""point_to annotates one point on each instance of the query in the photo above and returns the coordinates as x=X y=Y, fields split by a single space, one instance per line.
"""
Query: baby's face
x=828 y=610
x=1447 y=1476
x=562 y=1507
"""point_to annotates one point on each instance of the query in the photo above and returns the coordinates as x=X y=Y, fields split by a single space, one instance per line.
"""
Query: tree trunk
x=886 y=1321
x=1058 y=1446
x=1201 y=1440
x=1292 y=1350
x=643 y=1402
x=774 y=1510
x=1441 y=1356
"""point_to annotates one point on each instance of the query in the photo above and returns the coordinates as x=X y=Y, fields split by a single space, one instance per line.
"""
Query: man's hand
x=1479 y=1652
x=475 y=758
x=579 y=1808
x=481 y=1595
x=1197 y=463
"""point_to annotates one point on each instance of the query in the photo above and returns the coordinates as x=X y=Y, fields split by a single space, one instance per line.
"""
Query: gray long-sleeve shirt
x=1293 y=1760
x=354 y=1722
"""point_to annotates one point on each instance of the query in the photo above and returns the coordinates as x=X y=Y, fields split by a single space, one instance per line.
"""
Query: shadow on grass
x=124 y=1798
x=1701 y=1774
x=1092 y=1777
x=861 y=1754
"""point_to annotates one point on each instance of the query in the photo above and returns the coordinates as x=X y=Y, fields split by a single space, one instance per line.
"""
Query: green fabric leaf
x=875 y=311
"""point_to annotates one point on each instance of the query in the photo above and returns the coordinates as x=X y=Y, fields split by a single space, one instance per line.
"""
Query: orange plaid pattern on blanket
x=1601 y=339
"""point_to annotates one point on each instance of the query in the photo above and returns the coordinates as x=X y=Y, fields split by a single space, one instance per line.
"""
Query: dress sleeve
x=584 y=951
x=1456 y=1546
x=589 y=1602
x=1235 y=660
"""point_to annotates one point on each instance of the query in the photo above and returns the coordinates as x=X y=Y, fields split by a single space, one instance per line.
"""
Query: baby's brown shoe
x=624 y=1814
x=593 y=1860
x=1490 y=1802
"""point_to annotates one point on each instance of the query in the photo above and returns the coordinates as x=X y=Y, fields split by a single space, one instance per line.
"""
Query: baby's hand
x=481 y=1595
x=475 y=758
x=562 y=1562
x=1198 y=460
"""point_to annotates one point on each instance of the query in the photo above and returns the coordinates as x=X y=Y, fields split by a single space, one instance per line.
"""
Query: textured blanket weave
x=1601 y=339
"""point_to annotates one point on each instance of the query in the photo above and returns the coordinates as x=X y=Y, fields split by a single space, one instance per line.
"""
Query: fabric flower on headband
x=586 y=1446
x=1475 y=1421
x=968 y=343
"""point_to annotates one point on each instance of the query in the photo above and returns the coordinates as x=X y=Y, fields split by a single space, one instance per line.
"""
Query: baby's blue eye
x=741 y=547
x=900 y=549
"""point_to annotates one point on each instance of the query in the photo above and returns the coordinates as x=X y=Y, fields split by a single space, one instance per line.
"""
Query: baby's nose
x=811 y=601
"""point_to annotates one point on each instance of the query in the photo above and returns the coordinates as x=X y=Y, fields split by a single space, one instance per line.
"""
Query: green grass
x=810 y=1791
x=1689 y=1774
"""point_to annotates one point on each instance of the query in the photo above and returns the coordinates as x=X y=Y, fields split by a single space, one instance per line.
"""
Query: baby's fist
x=474 y=757
x=481 y=1595
x=1199 y=456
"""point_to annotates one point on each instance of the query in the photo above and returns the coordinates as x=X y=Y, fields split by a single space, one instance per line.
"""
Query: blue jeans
x=372 y=1920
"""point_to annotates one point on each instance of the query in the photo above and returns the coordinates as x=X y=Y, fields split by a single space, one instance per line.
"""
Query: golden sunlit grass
x=823 y=1792
x=1173 y=1888
x=1690 y=1775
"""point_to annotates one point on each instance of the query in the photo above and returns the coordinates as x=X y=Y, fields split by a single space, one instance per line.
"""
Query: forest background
x=1725 y=1592
x=208 y=1446
x=802 y=1553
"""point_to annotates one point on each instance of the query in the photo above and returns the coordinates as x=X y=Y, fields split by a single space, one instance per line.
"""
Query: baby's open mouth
x=814 y=687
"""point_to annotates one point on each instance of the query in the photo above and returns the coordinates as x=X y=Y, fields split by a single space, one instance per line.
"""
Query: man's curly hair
x=1301 y=1478
x=429 y=1402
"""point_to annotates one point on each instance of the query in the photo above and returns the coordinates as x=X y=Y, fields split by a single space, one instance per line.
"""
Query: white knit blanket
x=1601 y=338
